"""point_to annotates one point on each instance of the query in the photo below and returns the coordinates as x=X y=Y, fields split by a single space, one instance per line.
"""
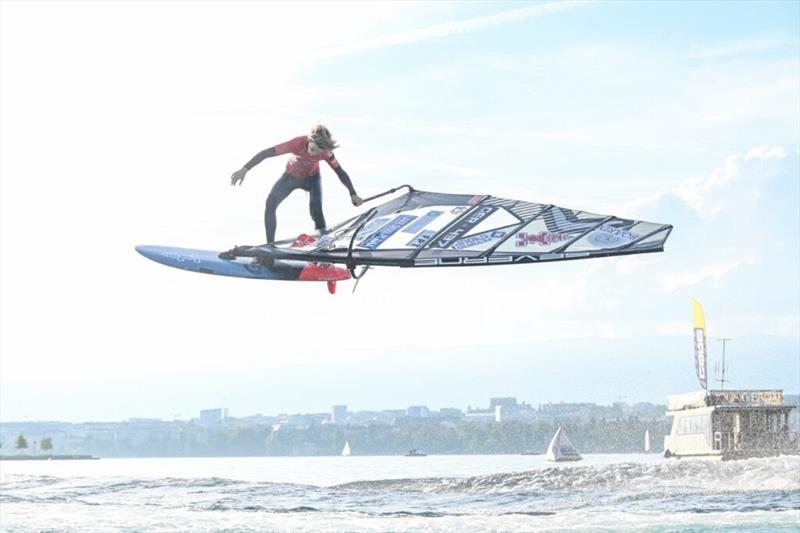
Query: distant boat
x=561 y=449
x=415 y=453
x=647 y=441
x=346 y=450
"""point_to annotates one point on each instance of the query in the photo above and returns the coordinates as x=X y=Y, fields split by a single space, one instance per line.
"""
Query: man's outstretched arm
x=292 y=145
x=238 y=176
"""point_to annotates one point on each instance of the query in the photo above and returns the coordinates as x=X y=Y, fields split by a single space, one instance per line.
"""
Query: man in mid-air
x=302 y=172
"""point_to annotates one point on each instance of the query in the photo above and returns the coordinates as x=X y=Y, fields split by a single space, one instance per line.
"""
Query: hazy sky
x=122 y=122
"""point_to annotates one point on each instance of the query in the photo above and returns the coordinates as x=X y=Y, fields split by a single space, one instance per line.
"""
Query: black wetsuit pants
x=283 y=188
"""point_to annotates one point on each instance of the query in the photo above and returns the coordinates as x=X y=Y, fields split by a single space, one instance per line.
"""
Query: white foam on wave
x=762 y=474
x=82 y=518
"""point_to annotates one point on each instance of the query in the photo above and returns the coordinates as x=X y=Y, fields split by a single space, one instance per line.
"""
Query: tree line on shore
x=21 y=444
x=625 y=435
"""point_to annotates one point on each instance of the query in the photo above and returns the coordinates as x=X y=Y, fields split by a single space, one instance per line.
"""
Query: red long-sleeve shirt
x=302 y=164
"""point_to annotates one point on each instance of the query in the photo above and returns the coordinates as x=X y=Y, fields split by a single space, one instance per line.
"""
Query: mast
x=724 y=341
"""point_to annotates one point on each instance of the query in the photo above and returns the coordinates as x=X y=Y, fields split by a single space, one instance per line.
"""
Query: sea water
x=389 y=493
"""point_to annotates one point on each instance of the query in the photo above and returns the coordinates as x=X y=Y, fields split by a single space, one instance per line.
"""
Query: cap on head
x=322 y=137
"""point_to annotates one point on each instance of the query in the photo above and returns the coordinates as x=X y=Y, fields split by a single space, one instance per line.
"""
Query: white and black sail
x=430 y=229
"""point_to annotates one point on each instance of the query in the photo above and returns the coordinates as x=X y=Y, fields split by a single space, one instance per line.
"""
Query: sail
x=647 y=441
x=431 y=229
x=700 y=353
x=561 y=449
x=346 y=449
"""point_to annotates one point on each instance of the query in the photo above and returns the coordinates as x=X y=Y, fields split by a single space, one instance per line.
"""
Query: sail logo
x=606 y=236
x=370 y=227
x=420 y=239
x=422 y=221
x=543 y=238
x=379 y=237
x=464 y=226
x=456 y=261
x=481 y=238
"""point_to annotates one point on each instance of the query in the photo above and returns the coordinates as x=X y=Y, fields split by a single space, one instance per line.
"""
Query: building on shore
x=729 y=424
x=418 y=411
x=338 y=414
x=213 y=417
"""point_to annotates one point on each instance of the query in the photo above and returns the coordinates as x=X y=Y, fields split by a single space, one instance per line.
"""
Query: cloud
x=765 y=152
x=629 y=264
x=726 y=221
x=730 y=97
x=733 y=48
x=715 y=272
x=448 y=29
x=702 y=193
x=674 y=327
x=460 y=170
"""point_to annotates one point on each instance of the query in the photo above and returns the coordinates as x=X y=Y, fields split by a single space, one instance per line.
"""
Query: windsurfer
x=302 y=172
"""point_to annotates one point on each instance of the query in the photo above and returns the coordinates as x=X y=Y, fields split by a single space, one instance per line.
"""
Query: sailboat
x=346 y=450
x=561 y=449
x=646 y=441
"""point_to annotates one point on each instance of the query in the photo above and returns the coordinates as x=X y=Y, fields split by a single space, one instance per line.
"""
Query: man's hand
x=356 y=199
x=238 y=176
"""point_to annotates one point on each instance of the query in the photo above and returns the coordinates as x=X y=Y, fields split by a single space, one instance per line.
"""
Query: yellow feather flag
x=700 y=351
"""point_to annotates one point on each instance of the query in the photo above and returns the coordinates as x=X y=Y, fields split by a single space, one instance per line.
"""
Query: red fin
x=322 y=272
x=332 y=287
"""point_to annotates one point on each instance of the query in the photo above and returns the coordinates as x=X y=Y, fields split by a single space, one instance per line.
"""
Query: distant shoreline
x=314 y=456
x=46 y=457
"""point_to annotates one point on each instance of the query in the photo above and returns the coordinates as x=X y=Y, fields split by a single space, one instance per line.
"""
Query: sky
x=121 y=123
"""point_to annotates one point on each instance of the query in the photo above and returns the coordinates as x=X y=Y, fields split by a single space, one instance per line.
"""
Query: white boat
x=561 y=449
x=346 y=450
x=646 y=441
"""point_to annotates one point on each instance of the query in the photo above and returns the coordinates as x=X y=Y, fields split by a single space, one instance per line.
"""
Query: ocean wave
x=50 y=489
x=693 y=487
x=420 y=514
x=115 y=484
x=763 y=474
